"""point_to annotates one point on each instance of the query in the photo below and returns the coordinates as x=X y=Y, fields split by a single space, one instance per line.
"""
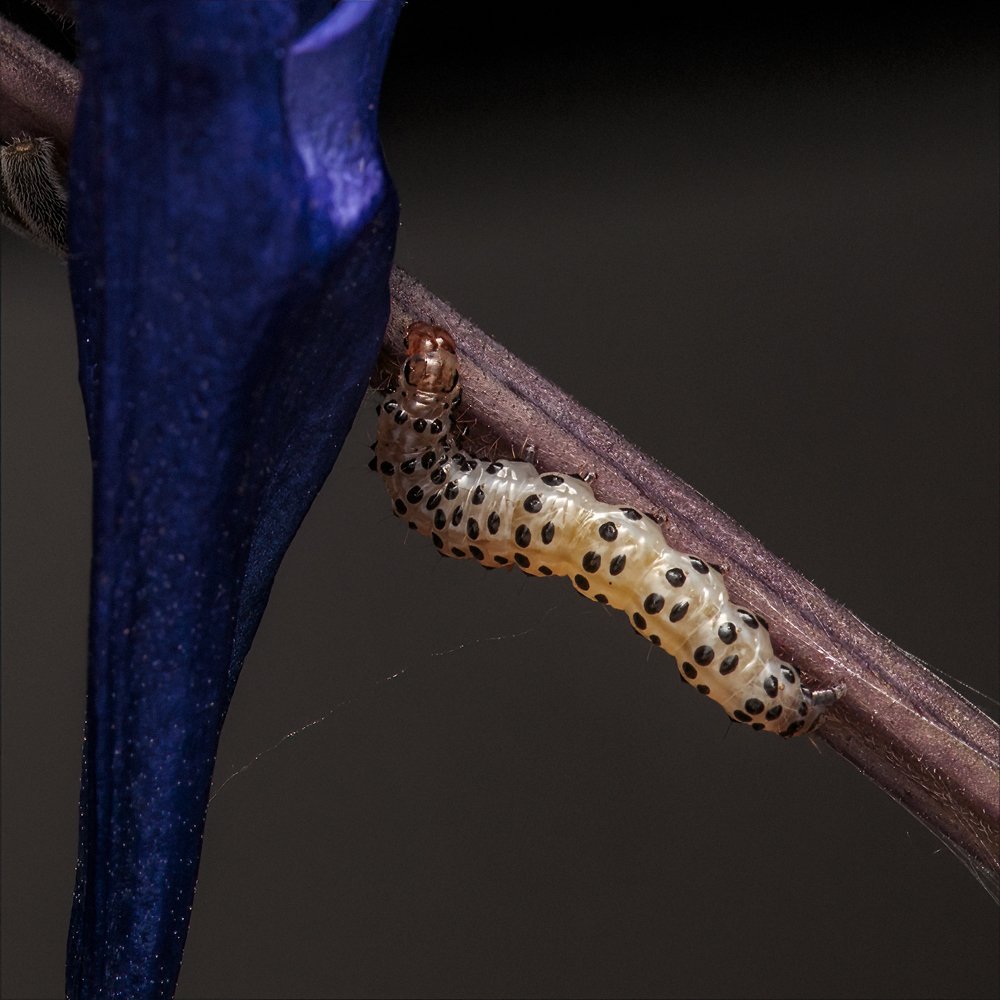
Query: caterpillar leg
x=828 y=696
x=815 y=704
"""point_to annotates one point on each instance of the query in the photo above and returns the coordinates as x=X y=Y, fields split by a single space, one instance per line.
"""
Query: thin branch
x=38 y=89
x=904 y=727
x=911 y=733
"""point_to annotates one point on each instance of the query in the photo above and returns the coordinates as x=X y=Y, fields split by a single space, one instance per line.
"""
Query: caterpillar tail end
x=818 y=702
x=829 y=696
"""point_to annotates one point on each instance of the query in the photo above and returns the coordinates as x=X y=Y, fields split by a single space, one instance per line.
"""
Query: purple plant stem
x=910 y=732
x=38 y=89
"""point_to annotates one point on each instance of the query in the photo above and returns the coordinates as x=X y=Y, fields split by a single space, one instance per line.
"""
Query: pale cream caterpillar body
x=504 y=513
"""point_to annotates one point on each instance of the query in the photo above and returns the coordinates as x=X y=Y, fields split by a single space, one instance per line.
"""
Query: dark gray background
x=798 y=220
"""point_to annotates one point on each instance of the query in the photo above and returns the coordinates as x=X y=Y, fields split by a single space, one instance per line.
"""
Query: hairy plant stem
x=38 y=89
x=909 y=731
x=904 y=727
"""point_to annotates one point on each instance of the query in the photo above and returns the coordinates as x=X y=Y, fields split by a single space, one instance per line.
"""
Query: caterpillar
x=507 y=513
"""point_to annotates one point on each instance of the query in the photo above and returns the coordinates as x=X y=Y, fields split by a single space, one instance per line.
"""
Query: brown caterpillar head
x=424 y=337
x=431 y=365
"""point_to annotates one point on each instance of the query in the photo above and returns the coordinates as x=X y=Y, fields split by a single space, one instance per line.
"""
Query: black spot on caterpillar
x=504 y=512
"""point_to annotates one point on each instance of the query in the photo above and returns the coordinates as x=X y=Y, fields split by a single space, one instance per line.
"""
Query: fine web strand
x=373 y=688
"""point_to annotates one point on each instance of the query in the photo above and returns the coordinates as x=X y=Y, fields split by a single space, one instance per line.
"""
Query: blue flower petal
x=232 y=229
